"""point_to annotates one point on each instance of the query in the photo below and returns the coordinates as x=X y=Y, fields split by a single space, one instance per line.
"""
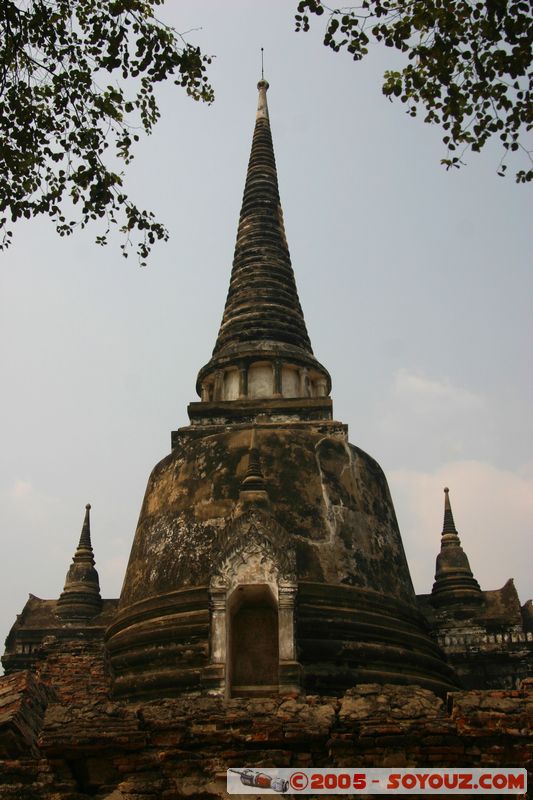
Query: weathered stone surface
x=177 y=748
x=487 y=643
x=329 y=504
x=23 y=700
x=76 y=669
x=39 y=634
x=91 y=726
x=389 y=702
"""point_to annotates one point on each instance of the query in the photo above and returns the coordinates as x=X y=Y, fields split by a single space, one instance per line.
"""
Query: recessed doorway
x=253 y=641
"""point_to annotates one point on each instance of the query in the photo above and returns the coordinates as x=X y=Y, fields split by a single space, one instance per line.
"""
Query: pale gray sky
x=416 y=285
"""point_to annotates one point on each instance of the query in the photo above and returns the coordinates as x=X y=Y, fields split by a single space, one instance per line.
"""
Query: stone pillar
x=289 y=668
x=219 y=384
x=204 y=393
x=218 y=626
x=321 y=387
x=243 y=381
x=276 y=366
x=214 y=675
x=304 y=382
x=287 y=593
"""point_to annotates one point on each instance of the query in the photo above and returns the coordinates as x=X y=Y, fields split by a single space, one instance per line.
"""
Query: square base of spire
x=250 y=411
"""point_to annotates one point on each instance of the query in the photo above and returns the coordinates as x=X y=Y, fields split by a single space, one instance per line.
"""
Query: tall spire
x=454 y=581
x=262 y=301
x=80 y=598
x=262 y=316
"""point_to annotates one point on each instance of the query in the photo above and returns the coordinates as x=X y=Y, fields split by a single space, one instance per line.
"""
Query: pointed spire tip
x=263 y=84
x=449 y=523
x=262 y=107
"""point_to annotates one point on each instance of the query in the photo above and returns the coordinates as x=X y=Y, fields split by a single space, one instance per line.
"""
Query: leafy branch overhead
x=77 y=84
x=469 y=65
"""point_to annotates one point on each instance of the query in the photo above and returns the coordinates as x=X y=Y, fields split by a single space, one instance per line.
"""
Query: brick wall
x=175 y=748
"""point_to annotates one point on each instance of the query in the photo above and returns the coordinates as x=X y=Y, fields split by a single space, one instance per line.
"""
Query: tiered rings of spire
x=263 y=348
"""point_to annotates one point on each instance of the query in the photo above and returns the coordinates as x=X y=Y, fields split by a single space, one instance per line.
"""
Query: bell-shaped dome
x=318 y=531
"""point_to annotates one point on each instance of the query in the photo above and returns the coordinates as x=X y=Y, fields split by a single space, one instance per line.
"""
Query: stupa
x=267 y=614
x=267 y=555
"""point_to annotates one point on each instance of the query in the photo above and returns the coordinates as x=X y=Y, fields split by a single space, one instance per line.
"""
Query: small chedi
x=267 y=615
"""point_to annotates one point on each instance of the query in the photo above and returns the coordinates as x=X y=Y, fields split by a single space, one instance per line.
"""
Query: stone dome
x=324 y=525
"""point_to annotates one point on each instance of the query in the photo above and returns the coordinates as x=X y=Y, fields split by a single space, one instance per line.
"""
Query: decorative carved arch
x=254 y=536
x=254 y=549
